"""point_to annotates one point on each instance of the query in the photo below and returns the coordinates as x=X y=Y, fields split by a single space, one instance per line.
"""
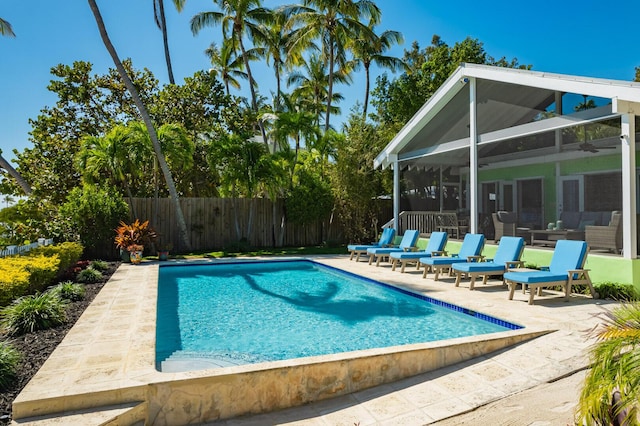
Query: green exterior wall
x=602 y=268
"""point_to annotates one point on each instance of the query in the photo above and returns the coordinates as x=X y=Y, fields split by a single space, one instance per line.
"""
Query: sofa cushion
x=596 y=217
x=570 y=220
x=584 y=223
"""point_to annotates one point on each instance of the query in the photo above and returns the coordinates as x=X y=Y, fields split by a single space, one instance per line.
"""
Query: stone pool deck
x=104 y=370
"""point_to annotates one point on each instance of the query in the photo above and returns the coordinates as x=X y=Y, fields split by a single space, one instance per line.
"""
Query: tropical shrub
x=30 y=313
x=89 y=275
x=134 y=234
x=68 y=290
x=94 y=213
x=14 y=282
x=41 y=270
x=9 y=359
x=611 y=389
x=617 y=291
x=68 y=253
x=310 y=200
x=99 y=265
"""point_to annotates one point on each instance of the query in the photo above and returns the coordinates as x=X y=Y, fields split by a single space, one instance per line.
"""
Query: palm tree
x=107 y=159
x=371 y=50
x=161 y=22
x=5 y=28
x=313 y=86
x=14 y=174
x=176 y=145
x=226 y=64
x=182 y=226
x=334 y=22
x=296 y=124
x=612 y=387
x=274 y=40
x=239 y=18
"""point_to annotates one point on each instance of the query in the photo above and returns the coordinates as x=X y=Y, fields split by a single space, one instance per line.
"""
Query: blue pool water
x=244 y=313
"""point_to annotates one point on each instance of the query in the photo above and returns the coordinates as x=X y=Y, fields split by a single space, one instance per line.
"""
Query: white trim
x=628 y=138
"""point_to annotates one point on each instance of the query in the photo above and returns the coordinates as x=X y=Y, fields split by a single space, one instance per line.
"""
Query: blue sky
x=588 y=38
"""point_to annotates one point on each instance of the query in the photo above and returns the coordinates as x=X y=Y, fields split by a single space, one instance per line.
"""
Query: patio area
x=104 y=369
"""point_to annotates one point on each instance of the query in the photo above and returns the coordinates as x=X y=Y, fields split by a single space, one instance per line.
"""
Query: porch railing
x=13 y=250
x=424 y=221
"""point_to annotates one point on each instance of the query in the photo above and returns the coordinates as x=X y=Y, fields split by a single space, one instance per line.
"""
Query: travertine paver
x=113 y=346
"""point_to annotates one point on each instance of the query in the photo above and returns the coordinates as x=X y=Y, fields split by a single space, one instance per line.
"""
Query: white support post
x=396 y=192
x=558 y=146
x=473 y=158
x=629 y=225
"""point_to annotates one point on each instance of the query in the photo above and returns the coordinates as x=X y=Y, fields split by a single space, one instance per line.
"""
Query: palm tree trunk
x=14 y=174
x=366 y=92
x=182 y=226
x=330 y=88
x=163 y=23
x=254 y=101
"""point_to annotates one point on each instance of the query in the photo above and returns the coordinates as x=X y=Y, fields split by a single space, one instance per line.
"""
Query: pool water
x=251 y=312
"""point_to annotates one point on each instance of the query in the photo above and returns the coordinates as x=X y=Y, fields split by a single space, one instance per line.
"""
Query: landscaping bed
x=36 y=347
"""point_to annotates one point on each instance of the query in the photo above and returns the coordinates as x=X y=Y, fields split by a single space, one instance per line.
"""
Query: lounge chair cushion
x=408 y=241
x=437 y=241
x=535 y=277
x=568 y=255
x=480 y=267
x=471 y=246
x=386 y=238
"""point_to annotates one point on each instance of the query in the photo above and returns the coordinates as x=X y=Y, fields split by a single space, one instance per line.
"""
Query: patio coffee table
x=550 y=236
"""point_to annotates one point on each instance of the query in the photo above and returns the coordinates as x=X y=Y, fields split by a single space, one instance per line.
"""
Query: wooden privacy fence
x=211 y=223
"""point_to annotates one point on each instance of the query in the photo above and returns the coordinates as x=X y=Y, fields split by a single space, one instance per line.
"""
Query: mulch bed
x=36 y=347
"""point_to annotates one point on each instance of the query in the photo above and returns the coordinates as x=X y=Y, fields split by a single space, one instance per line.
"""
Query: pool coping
x=109 y=358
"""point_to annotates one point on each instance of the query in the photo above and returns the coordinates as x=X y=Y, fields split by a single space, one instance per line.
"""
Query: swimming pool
x=250 y=312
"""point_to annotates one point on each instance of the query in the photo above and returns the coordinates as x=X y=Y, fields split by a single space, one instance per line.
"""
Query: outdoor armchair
x=504 y=223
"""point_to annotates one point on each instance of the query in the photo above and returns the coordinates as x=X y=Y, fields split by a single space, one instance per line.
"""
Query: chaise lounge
x=435 y=247
x=408 y=243
x=470 y=250
x=565 y=270
x=386 y=240
x=507 y=257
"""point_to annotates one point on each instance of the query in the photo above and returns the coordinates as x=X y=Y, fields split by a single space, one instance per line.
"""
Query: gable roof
x=510 y=102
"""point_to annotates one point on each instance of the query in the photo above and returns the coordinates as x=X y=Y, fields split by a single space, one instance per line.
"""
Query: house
x=539 y=144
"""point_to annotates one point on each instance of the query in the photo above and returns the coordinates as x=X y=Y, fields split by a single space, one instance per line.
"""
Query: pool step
x=131 y=414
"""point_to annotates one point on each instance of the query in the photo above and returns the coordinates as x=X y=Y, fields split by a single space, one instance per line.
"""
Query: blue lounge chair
x=507 y=257
x=386 y=240
x=408 y=243
x=566 y=269
x=469 y=252
x=435 y=246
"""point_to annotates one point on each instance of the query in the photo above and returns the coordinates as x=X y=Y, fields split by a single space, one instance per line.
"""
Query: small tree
x=93 y=214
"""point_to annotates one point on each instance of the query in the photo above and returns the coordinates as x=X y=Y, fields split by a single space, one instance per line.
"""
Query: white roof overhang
x=440 y=125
